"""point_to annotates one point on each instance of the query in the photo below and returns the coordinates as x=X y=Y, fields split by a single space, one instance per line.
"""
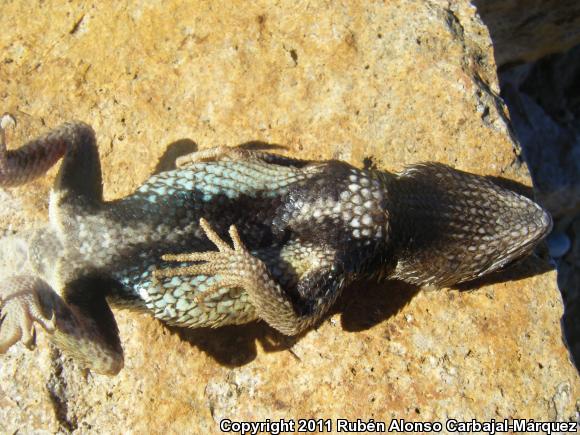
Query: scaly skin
x=300 y=231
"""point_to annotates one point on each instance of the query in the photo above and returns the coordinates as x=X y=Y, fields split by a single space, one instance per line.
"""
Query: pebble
x=558 y=244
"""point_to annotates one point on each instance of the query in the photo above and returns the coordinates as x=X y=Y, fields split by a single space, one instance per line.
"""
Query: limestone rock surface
x=395 y=82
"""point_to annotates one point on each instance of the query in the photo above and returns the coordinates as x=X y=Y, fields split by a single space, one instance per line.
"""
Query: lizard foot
x=20 y=309
x=237 y=154
x=235 y=266
x=212 y=154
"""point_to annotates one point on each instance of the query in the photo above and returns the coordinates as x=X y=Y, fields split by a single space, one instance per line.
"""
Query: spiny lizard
x=300 y=231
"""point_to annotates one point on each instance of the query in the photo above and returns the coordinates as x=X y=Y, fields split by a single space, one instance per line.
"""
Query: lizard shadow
x=362 y=306
x=174 y=150
x=236 y=345
x=366 y=304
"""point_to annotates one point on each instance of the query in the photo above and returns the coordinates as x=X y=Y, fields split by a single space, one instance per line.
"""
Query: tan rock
x=526 y=30
x=398 y=82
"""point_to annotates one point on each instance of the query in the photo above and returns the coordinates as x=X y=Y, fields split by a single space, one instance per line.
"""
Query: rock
x=542 y=98
x=388 y=83
x=569 y=284
x=527 y=30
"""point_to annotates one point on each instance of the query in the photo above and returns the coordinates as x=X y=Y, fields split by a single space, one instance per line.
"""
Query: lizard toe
x=18 y=315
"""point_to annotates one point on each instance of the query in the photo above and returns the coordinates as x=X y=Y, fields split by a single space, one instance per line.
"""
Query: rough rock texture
x=544 y=103
x=394 y=82
x=526 y=30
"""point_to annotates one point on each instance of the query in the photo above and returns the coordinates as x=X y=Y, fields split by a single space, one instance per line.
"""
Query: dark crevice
x=76 y=25
x=56 y=388
x=543 y=99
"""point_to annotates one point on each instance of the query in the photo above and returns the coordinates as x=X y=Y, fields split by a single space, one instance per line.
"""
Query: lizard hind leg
x=85 y=329
x=20 y=309
x=239 y=268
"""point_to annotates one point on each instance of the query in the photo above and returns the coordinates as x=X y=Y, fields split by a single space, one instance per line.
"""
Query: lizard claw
x=18 y=314
x=210 y=256
x=213 y=263
x=5 y=120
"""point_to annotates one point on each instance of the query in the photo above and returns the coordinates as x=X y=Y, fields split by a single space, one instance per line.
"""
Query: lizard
x=299 y=231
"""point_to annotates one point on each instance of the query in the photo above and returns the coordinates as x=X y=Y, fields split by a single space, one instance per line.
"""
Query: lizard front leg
x=80 y=173
x=81 y=324
x=238 y=268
